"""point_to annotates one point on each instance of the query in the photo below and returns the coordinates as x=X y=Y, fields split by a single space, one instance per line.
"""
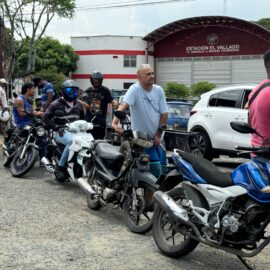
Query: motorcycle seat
x=208 y=170
x=106 y=151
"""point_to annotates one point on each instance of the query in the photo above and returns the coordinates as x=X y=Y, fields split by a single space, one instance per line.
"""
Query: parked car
x=178 y=116
x=211 y=118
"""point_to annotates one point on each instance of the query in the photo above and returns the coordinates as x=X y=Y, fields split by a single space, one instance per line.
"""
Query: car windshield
x=179 y=110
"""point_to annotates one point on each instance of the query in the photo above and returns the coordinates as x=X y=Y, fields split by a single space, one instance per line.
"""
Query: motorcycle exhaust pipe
x=86 y=187
x=48 y=165
x=171 y=207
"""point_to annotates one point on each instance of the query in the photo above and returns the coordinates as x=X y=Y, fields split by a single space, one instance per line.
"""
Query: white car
x=211 y=118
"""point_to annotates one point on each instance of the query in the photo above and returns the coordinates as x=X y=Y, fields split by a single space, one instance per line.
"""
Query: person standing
x=95 y=100
x=259 y=106
x=48 y=94
x=149 y=112
x=3 y=96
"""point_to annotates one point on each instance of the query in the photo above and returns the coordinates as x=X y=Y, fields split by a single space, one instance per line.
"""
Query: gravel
x=46 y=225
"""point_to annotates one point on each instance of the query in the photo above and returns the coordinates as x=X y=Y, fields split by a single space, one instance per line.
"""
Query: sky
x=141 y=20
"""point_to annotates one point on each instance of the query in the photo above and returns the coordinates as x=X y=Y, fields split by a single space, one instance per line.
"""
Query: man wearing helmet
x=62 y=110
x=95 y=100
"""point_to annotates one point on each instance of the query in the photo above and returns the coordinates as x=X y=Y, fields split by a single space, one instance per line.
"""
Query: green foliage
x=50 y=55
x=56 y=79
x=264 y=22
x=176 y=90
x=199 y=88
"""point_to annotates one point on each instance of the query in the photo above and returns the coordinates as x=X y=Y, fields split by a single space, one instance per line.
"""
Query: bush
x=176 y=90
x=56 y=79
x=199 y=88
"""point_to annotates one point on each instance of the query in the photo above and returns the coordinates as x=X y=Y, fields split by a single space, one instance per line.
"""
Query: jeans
x=66 y=139
x=41 y=142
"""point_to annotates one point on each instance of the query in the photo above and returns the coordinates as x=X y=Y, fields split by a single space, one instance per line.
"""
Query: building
x=219 y=49
x=117 y=57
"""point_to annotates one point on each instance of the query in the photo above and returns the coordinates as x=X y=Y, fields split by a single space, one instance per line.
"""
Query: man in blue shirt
x=48 y=93
x=148 y=110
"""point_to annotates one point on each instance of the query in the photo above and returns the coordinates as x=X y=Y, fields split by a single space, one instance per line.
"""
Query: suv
x=211 y=118
x=179 y=112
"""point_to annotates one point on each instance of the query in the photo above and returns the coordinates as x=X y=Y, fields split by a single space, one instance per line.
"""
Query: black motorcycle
x=22 y=149
x=122 y=179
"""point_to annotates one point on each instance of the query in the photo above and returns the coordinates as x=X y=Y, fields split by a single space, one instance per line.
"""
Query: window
x=126 y=85
x=130 y=60
x=228 y=99
x=213 y=100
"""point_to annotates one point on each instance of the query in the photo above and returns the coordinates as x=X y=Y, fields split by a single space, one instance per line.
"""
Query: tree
x=265 y=22
x=50 y=55
x=199 y=88
x=176 y=90
x=28 y=20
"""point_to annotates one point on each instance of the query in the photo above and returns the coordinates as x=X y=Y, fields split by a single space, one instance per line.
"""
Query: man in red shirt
x=259 y=106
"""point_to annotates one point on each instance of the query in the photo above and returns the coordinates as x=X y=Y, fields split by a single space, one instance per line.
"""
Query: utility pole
x=1 y=46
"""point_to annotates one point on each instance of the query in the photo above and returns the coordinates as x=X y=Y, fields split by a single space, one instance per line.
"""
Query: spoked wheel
x=21 y=166
x=170 y=236
x=139 y=209
x=92 y=200
x=200 y=145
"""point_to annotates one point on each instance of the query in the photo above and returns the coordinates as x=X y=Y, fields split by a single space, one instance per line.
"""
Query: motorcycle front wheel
x=139 y=209
x=167 y=233
x=19 y=167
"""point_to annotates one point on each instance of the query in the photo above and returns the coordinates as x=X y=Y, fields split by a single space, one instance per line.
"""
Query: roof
x=194 y=22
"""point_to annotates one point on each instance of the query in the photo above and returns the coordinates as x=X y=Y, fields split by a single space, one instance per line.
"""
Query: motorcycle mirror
x=120 y=115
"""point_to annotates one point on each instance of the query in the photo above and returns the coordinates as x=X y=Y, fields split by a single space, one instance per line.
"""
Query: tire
x=92 y=202
x=200 y=145
x=19 y=168
x=140 y=222
x=167 y=246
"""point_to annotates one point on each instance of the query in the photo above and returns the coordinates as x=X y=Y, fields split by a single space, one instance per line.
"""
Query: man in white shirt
x=3 y=97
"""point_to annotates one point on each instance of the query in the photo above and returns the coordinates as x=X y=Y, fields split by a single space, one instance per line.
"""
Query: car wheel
x=200 y=145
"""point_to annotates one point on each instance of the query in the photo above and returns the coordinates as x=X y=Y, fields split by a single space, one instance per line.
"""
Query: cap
x=3 y=81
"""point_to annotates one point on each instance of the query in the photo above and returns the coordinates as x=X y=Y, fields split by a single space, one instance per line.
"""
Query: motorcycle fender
x=138 y=176
x=169 y=181
x=34 y=145
x=81 y=155
x=192 y=193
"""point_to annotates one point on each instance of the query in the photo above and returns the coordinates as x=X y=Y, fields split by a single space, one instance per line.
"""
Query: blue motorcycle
x=228 y=211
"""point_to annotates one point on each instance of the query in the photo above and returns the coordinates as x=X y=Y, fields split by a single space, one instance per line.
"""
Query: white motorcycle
x=78 y=164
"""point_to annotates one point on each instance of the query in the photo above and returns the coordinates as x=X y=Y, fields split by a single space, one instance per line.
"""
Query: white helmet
x=4 y=116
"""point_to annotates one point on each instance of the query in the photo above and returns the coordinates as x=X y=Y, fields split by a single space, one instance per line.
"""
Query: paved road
x=44 y=225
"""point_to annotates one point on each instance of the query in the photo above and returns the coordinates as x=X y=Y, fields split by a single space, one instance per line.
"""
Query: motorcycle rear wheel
x=18 y=167
x=140 y=220
x=168 y=239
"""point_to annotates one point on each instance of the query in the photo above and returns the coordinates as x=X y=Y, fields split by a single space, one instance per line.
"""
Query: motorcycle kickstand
x=243 y=261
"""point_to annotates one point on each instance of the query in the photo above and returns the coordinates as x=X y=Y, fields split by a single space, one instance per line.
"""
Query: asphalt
x=46 y=225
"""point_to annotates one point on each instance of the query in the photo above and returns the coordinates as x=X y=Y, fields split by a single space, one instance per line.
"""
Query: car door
x=242 y=115
x=224 y=110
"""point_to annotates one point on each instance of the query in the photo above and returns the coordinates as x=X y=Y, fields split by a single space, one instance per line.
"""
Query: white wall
x=106 y=63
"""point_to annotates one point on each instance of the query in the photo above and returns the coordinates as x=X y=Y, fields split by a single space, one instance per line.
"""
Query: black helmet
x=96 y=79
x=70 y=90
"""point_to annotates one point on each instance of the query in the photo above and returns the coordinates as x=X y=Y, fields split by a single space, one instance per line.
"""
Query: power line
x=127 y=4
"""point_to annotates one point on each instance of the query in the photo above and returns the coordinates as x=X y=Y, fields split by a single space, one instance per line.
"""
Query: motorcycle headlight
x=40 y=131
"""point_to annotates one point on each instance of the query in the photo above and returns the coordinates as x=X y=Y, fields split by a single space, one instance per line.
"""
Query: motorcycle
x=227 y=211
x=22 y=149
x=78 y=159
x=122 y=179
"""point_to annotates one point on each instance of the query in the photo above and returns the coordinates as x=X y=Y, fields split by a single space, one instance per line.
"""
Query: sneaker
x=41 y=165
x=60 y=174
